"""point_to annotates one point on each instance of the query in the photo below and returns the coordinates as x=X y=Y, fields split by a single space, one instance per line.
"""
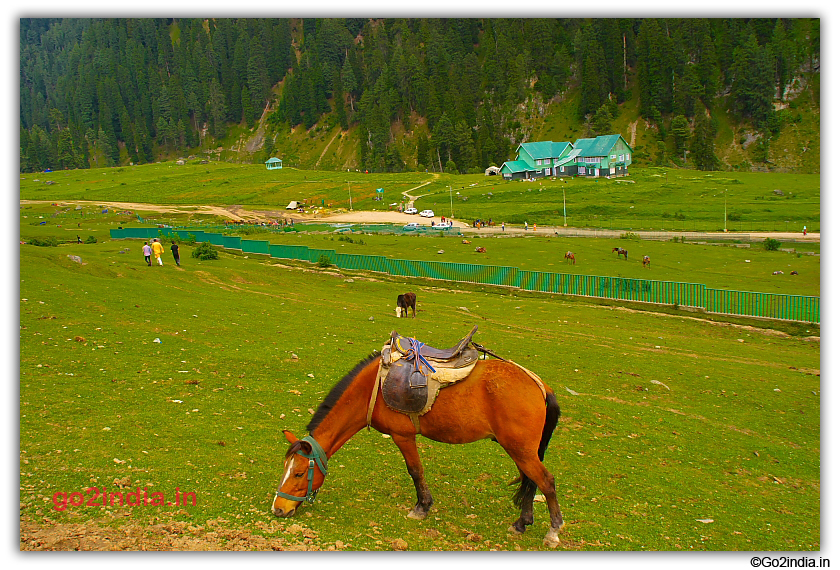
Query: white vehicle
x=411 y=210
x=411 y=226
x=427 y=214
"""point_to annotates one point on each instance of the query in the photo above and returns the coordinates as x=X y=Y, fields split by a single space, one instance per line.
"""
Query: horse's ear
x=290 y=436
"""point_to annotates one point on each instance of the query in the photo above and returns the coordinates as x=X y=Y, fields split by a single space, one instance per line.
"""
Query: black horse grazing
x=620 y=251
x=405 y=301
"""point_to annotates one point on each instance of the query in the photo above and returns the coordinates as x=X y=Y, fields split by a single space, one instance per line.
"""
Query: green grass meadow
x=648 y=199
x=677 y=433
x=723 y=265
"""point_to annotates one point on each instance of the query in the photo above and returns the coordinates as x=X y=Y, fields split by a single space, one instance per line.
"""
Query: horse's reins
x=317 y=457
x=413 y=353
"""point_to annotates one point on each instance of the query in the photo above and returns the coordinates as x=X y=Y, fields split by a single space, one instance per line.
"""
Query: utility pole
x=724 y=211
x=451 y=214
x=564 y=208
x=351 y=195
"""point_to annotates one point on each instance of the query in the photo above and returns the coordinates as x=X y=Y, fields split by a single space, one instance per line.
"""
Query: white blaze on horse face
x=290 y=463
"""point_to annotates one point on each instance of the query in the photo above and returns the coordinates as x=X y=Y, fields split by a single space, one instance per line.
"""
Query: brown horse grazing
x=498 y=400
x=620 y=251
x=405 y=301
x=646 y=262
x=570 y=257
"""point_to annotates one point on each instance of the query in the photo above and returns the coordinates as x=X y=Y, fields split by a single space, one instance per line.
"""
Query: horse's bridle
x=317 y=457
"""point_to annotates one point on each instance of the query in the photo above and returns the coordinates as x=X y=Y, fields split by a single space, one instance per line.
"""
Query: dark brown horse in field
x=405 y=301
x=498 y=400
x=570 y=257
x=646 y=262
x=620 y=251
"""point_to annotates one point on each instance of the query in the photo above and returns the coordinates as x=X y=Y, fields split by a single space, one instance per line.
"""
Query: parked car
x=411 y=226
x=427 y=214
x=411 y=210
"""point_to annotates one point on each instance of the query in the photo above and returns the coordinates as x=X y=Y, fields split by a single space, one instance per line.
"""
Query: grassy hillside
x=669 y=423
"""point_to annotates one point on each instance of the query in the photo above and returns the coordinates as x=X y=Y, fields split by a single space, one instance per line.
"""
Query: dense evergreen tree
x=703 y=144
x=680 y=130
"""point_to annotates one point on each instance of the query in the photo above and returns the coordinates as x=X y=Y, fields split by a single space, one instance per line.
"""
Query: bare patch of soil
x=175 y=535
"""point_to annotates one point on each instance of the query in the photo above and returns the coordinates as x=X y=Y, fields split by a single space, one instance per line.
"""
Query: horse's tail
x=528 y=488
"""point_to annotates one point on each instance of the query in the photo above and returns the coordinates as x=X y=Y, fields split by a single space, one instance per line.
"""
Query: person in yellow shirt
x=157 y=249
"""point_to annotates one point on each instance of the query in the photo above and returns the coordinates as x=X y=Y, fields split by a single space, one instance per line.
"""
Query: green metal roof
x=567 y=159
x=599 y=146
x=544 y=149
x=516 y=166
x=273 y=160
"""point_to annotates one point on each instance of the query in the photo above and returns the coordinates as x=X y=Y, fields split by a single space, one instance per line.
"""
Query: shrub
x=629 y=235
x=324 y=261
x=771 y=244
x=205 y=251
x=190 y=239
x=48 y=241
x=90 y=239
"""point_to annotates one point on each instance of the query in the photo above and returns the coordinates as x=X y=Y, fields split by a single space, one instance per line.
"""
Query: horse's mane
x=327 y=405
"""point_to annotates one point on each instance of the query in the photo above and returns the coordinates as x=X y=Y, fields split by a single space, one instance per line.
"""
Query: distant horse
x=570 y=257
x=646 y=262
x=481 y=249
x=620 y=251
x=794 y=273
x=497 y=401
x=465 y=241
x=405 y=301
x=778 y=273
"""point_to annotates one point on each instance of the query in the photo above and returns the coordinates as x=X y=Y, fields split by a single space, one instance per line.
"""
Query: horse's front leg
x=408 y=447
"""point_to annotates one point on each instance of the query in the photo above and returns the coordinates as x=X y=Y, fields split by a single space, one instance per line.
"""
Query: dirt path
x=223 y=211
x=323 y=152
x=238 y=213
x=410 y=198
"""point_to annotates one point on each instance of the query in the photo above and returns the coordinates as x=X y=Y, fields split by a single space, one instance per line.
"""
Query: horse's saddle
x=412 y=373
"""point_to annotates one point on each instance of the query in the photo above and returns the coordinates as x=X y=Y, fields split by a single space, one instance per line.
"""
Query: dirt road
x=239 y=213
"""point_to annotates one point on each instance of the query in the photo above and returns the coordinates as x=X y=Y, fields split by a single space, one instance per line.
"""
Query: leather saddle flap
x=405 y=389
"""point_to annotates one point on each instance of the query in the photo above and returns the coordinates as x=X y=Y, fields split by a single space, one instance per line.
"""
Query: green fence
x=743 y=303
x=786 y=307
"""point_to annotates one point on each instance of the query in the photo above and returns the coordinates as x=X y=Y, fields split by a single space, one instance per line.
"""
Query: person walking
x=176 y=254
x=157 y=249
x=147 y=253
x=804 y=230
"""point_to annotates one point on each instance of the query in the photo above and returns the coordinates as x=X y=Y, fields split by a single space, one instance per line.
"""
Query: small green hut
x=273 y=163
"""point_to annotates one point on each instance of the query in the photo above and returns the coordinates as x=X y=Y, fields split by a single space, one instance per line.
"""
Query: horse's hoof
x=418 y=516
x=551 y=540
x=514 y=531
